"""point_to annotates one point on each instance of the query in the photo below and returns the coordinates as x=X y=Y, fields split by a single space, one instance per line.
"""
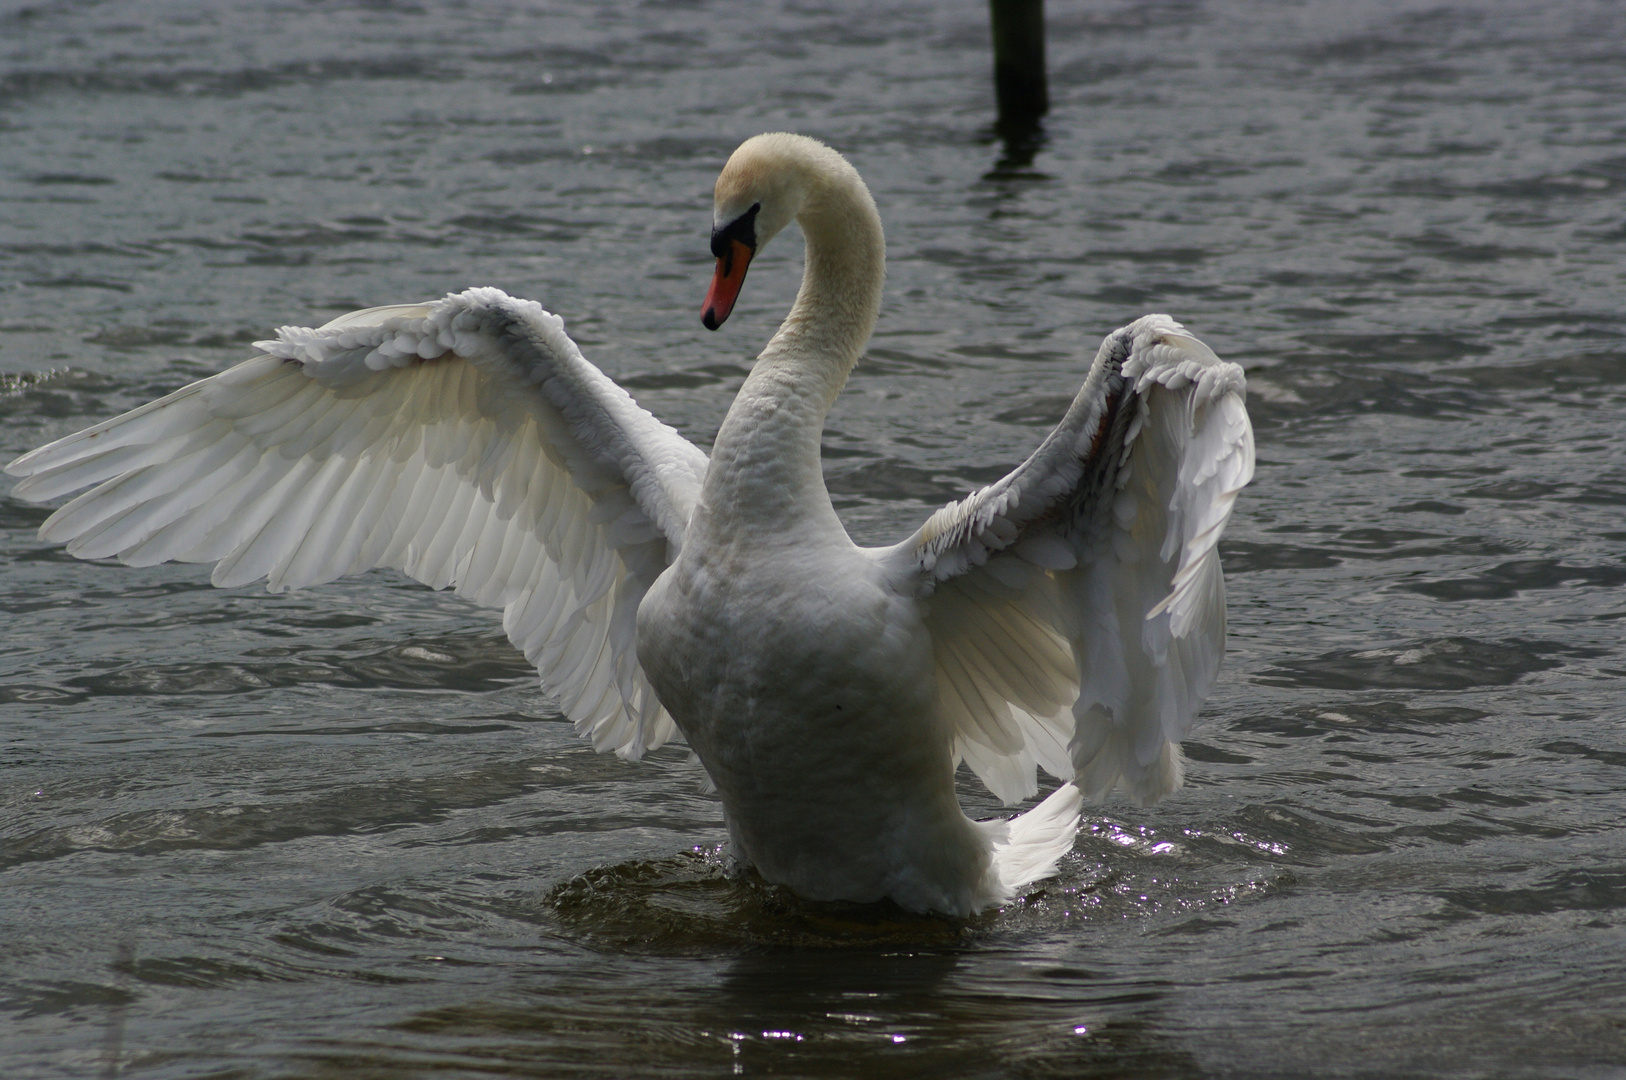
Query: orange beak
x=725 y=284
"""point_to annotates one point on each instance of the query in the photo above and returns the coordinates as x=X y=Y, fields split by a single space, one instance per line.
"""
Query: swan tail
x=1027 y=847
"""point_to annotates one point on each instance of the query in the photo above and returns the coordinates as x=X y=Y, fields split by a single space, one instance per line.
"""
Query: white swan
x=1071 y=615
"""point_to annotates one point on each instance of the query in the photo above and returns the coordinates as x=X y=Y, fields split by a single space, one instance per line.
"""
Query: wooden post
x=1019 y=75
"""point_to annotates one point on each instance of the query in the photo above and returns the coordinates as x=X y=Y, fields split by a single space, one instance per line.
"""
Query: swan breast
x=806 y=687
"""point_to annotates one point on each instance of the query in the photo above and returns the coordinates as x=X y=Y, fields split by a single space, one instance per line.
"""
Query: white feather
x=1113 y=646
x=368 y=443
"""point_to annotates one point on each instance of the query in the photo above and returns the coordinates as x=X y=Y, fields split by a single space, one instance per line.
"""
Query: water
x=340 y=832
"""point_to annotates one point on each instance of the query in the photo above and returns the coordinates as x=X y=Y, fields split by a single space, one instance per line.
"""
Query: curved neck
x=765 y=462
x=840 y=298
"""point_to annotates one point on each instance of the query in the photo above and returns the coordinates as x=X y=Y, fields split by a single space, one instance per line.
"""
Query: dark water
x=341 y=832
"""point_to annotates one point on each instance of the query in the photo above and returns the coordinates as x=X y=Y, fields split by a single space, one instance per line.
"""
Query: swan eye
x=742 y=228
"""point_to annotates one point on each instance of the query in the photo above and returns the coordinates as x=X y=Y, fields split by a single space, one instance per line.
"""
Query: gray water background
x=342 y=833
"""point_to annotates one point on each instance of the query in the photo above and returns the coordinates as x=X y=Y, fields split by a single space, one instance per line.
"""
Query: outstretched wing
x=466 y=442
x=1077 y=606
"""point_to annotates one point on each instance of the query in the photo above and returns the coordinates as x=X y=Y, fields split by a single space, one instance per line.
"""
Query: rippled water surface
x=341 y=832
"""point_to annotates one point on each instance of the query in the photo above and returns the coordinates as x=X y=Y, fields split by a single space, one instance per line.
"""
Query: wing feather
x=1077 y=606
x=465 y=442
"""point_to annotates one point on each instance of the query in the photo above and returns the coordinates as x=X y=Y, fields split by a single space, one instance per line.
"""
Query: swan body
x=1069 y=617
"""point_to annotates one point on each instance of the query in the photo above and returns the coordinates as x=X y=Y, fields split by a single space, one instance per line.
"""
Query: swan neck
x=840 y=297
x=765 y=462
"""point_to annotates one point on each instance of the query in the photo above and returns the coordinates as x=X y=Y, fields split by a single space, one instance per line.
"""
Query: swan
x=1069 y=617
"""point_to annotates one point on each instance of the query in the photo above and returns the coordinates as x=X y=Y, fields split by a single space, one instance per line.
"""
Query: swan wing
x=465 y=442
x=1077 y=606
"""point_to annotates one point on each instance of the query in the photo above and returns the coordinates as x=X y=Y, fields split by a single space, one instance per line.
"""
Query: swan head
x=762 y=189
